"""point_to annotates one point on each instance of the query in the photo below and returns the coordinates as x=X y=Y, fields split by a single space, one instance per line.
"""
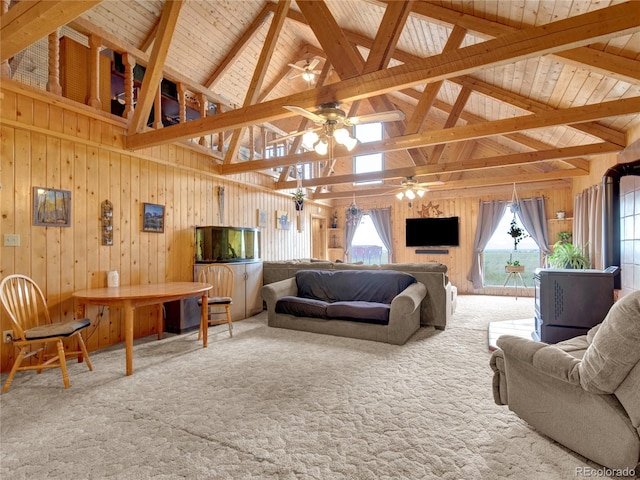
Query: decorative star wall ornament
x=430 y=210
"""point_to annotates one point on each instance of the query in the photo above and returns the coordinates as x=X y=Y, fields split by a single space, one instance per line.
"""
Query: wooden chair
x=33 y=331
x=220 y=297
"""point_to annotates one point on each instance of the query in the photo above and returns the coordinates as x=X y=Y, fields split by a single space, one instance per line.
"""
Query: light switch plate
x=11 y=240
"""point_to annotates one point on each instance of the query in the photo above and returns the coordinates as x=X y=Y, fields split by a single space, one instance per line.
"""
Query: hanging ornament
x=354 y=213
x=515 y=203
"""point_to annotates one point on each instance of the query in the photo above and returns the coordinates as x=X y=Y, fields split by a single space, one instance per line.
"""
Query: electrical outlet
x=7 y=336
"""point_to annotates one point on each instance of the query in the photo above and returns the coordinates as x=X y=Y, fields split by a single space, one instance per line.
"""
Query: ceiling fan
x=306 y=71
x=409 y=188
x=331 y=120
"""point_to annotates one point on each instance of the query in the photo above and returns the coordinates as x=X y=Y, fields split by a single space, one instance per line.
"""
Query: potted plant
x=564 y=236
x=518 y=234
x=298 y=198
x=568 y=255
x=513 y=266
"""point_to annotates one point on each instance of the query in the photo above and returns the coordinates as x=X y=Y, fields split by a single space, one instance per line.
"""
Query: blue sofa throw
x=358 y=295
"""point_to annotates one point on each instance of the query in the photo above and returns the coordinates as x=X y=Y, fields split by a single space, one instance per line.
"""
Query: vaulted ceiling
x=493 y=92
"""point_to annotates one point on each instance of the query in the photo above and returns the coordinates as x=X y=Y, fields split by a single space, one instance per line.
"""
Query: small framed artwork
x=152 y=218
x=262 y=218
x=51 y=207
x=282 y=220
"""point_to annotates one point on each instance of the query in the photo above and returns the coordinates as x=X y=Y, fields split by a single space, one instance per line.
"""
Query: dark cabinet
x=569 y=302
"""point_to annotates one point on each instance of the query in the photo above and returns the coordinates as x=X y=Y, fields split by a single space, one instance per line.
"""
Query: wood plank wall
x=51 y=142
x=47 y=141
x=466 y=206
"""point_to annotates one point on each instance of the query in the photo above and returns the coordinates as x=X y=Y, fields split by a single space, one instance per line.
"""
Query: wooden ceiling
x=494 y=92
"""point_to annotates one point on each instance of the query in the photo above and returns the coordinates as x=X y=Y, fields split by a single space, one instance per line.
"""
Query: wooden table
x=130 y=297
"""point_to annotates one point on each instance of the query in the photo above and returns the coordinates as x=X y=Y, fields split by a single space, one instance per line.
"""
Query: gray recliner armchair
x=584 y=392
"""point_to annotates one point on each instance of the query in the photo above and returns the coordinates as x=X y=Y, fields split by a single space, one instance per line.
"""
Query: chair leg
x=14 y=369
x=63 y=363
x=85 y=354
x=228 y=311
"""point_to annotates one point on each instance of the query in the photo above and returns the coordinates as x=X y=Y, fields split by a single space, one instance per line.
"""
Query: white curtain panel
x=587 y=223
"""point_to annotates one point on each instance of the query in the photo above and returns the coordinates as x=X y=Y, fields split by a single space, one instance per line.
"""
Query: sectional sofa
x=378 y=305
x=436 y=308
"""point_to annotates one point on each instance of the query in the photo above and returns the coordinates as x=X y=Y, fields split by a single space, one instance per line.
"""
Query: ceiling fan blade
x=430 y=184
x=313 y=64
x=292 y=135
x=305 y=113
x=390 y=116
x=296 y=75
x=293 y=65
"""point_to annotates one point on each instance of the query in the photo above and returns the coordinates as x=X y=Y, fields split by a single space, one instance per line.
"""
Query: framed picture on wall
x=282 y=220
x=262 y=218
x=51 y=207
x=152 y=218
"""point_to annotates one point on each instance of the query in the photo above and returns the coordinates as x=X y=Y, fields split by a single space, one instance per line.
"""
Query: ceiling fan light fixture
x=350 y=143
x=341 y=135
x=308 y=76
x=400 y=195
x=322 y=146
x=410 y=195
x=310 y=138
x=420 y=192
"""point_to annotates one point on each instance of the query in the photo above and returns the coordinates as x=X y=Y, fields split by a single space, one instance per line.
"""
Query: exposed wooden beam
x=452 y=119
x=431 y=90
x=491 y=180
x=528 y=43
x=27 y=22
x=240 y=45
x=260 y=71
x=467 y=132
x=153 y=74
x=499 y=161
x=532 y=105
x=619 y=67
x=344 y=57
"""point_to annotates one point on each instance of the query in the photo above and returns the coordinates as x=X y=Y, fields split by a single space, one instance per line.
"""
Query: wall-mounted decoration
x=152 y=218
x=430 y=210
x=106 y=217
x=262 y=218
x=282 y=220
x=51 y=207
x=221 y=204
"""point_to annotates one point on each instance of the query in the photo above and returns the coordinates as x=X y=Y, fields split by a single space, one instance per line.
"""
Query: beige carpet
x=273 y=403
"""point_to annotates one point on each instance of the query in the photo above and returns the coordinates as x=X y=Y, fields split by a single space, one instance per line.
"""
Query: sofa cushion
x=302 y=307
x=369 y=312
x=379 y=286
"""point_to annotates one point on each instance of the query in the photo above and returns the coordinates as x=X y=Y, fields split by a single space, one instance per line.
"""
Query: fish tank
x=227 y=244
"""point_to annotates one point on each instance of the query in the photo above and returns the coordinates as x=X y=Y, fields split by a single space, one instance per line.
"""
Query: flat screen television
x=432 y=232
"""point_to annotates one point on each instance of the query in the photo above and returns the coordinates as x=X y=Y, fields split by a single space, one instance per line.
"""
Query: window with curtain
x=500 y=250
x=367 y=246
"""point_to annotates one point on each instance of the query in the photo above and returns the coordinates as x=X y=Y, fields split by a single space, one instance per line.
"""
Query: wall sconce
x=106 y=217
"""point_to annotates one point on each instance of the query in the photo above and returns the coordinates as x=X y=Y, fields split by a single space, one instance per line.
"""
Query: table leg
x=204 y=323
x=160 y=319
x=128 y=335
